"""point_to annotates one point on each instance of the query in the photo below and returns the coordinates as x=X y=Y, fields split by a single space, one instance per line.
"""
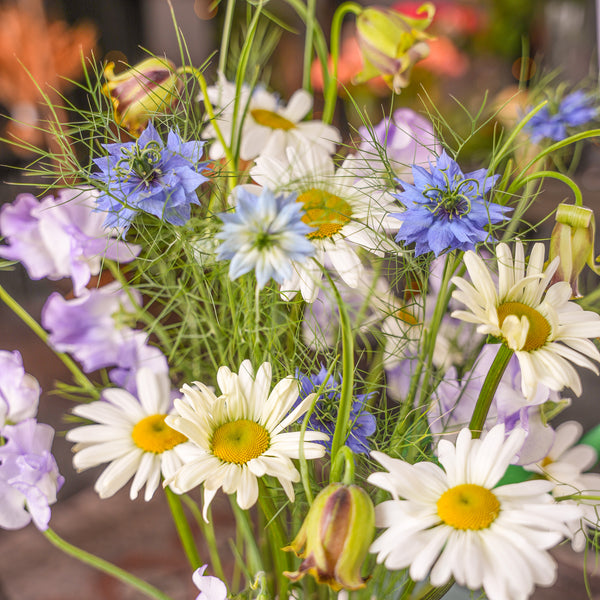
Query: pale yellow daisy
x=546 y=331
x=239 y=436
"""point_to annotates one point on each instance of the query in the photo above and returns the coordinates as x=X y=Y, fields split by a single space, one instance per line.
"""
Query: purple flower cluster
x=61 y=236
x=575 y=109
x=446 y=209
x=149 y=176
x=92 y=329
x=29 y=477
x=361 y=423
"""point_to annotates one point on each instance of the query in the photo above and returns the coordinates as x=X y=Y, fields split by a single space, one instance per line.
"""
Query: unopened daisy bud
x=391 y=43
x=336 y=536
x=138 y=93
x=573 y=241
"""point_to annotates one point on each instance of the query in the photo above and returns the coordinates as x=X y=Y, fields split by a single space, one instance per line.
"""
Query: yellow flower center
x=270 y=119
x=324 y=211
x=152 y=434
x=546 y=461
x=240 y=441
x=539 y=328
x=468 y=506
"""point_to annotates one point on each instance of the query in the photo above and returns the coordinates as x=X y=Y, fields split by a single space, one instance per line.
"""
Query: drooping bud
x=573 y=241
x=391 y=43
x=336 y=536
x=139 y=92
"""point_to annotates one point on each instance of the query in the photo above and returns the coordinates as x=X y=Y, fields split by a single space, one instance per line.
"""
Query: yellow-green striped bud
x=391 y=43
x=139 y=92
x=335 y=537
x=573 y=241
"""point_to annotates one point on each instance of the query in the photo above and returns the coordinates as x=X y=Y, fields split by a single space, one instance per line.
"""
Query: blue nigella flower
x=149 y=176
x=265 y=233
x=445 y=209
x=575 y=109
x=362 y=423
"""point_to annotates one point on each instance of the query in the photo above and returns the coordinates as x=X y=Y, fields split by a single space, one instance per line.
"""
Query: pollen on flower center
x=240 y=441
x=324 y=211
x=468 y=506
x=152 y=434
x=539 y=328
x=271 y=119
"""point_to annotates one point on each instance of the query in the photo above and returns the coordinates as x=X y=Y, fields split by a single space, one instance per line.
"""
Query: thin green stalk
x=552 y=175
x=336 y=30
x=77 y=373
x=226 y=35
x=435 y=593
x=183 y=529
x=490 y=385
x=103 y=565
x=253 y=555
x=208 y=531
x=346 y=393
x=311 y=6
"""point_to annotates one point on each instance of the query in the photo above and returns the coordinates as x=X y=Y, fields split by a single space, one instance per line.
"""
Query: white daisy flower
x=238 y=436
x=130 y=433
x=545 y=330
x=453 y=522
x=564 y=465
x=345 y=212
x=268 y=127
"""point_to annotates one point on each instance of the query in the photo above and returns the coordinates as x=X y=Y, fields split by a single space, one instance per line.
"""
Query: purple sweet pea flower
x=60 y=236
x=29 y=477
x=19 y=392
x=149 y=176
x=211 y=588
x=88 y=327
x=406 y=139
x=446 y=209
x=454 y=402
x=575 y=109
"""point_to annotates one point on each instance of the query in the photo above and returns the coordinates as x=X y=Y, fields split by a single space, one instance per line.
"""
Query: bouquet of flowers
x=344 y=335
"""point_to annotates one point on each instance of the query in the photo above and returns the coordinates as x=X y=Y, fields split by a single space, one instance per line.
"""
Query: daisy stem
x=311 y=6
x=77 y=373
x=104 y=566
x=490 y=385
x=226 y=33
x=183 y=529
x=253 y=562
x=345 y=406
x=208 y=531
x=336 y=29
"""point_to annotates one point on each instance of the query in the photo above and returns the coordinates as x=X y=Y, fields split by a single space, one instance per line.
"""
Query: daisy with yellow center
x=239 y=436
x=452 y=521
x=346 y=212
x=131 y=434
x=546 y=331
x=267 y=127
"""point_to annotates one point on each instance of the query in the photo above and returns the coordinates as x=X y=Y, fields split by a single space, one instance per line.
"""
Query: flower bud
x=573 y=241
x=142 y=90
x=391 y=43
x=336 y=534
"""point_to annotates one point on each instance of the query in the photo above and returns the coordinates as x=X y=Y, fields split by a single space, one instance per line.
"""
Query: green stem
x=77 y=373
x=183 y=529
x=553 y=175
x=435 y=593
x=345 y=405
x=490 y=385
x=311 y=6
x=242 y=520
x=336 y=30
x=103 y=565
x=208 y=531
x=344 y=459
x=226 y=35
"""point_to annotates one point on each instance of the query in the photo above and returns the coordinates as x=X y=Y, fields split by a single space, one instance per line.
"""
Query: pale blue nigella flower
x=265 y=233
x=149 y=176
x=575 y=109
x=445 y=209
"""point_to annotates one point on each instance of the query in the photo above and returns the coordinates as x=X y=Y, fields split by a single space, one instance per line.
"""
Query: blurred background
x=480 y=45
